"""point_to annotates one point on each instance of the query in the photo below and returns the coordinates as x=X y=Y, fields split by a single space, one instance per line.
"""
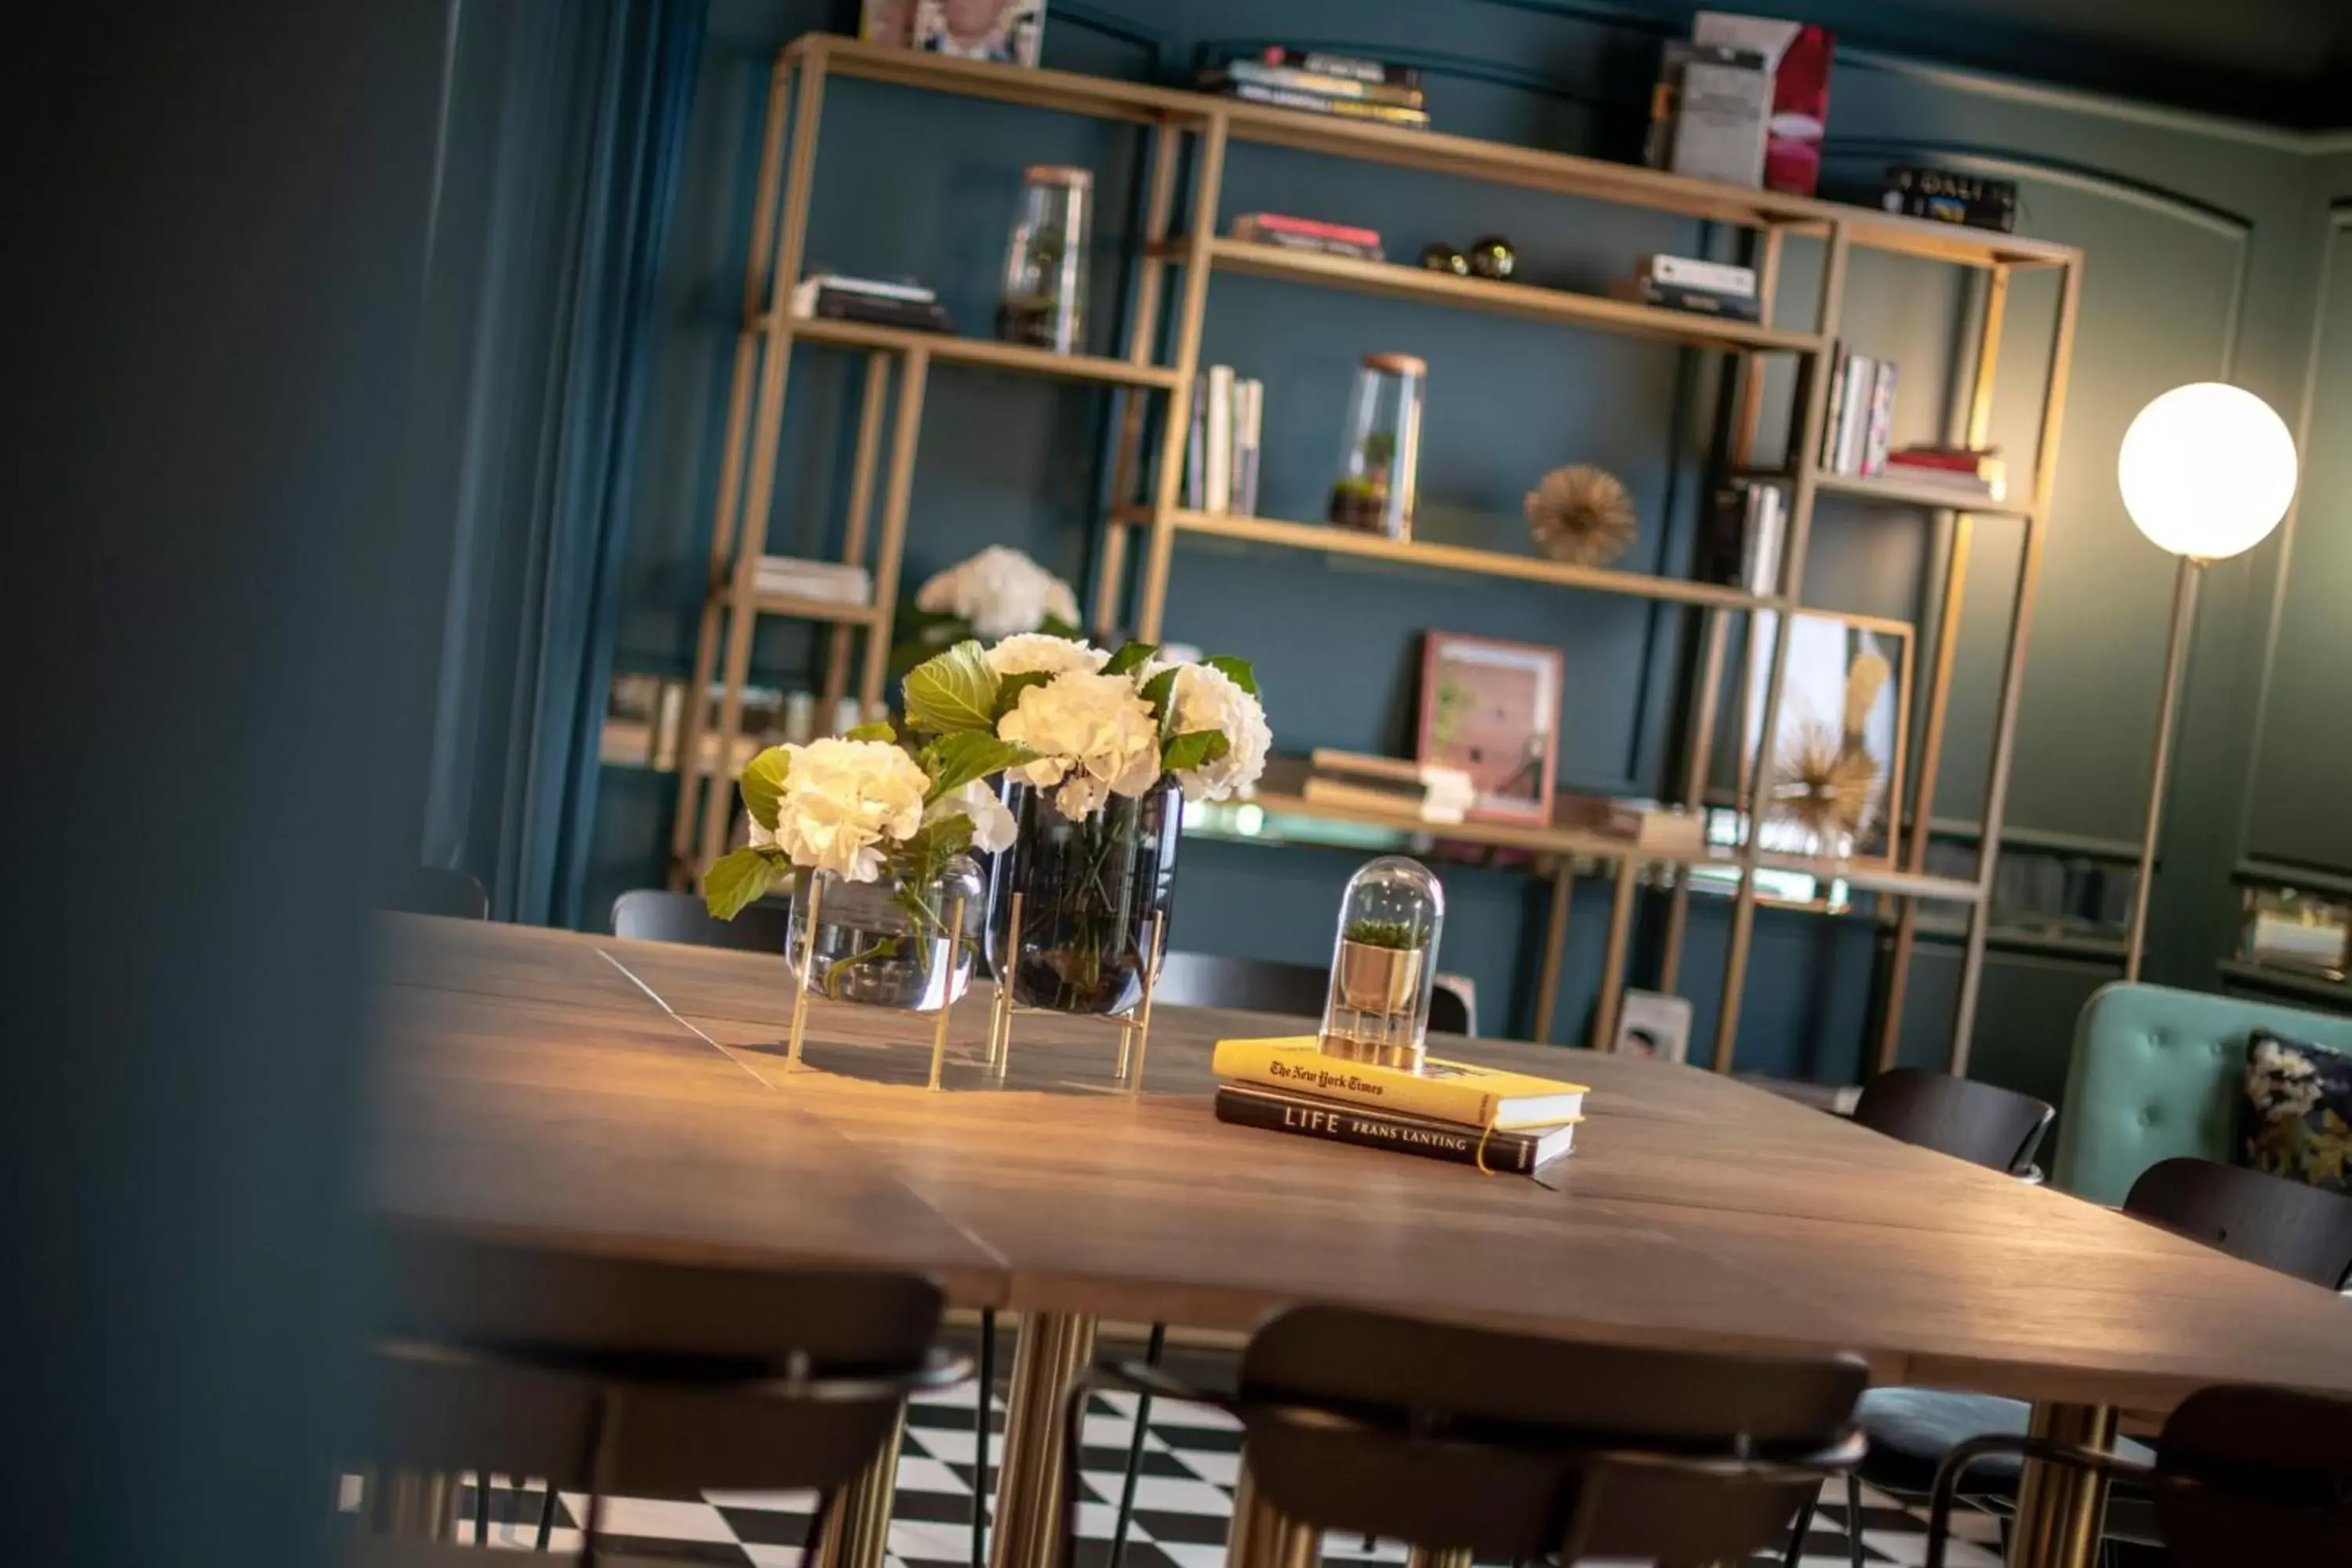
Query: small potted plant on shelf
x=998 y=592
x=1110 y=745
x=874 y=837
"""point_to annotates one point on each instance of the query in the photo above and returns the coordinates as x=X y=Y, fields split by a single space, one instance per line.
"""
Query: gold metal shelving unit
x=1136 y=558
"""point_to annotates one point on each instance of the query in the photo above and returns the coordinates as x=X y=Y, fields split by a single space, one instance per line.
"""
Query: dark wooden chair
x=657 y=1380
x=649 y=914
x=2295 y=1230
x=1263 y=985
x=442 y=890
x=1957 y=1116
x=1515 y=1449
x=2239 y=1476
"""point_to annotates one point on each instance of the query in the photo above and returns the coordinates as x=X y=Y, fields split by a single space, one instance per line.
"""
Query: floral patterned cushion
x=2295 y=1119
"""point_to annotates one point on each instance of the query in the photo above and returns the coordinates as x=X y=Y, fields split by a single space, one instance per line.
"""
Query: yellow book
x=1459 y=1092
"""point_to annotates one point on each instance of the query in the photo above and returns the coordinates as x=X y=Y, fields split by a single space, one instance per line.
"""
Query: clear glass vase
x=1380 y=465
x=1383 y=960
x=1089 y=889
x=885 y=944
x=1042 y=302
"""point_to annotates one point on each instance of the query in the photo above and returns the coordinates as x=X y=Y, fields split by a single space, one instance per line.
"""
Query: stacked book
x=837 y=295
x=1970 y=473
x=1349 y=86
x=1507 y=1122
x=1428 y=792
x=1287 y=233
x=1857 y=435
x=1644 y=823
x=829 y=580
x=1686 y=283
x=1221 y=451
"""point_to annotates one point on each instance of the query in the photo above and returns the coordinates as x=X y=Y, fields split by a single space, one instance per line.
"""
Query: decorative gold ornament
x=1825 y=786
x=1582 y=515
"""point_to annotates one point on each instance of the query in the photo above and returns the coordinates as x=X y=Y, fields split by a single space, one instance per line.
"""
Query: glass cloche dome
x=1382 y=963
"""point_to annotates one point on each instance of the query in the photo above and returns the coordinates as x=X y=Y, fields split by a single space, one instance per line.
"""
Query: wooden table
x=633 y=1097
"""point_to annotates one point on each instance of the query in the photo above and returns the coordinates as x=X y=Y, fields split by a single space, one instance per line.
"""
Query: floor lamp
x=2207 y=471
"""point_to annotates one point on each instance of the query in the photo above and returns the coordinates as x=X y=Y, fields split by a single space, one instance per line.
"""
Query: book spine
x=1882 y=422
x=1826 y=457
x=1355 y=68
x=1301 y=81
x=1315 y=103
x=1196 y=455
x=1704 y=301
x=881 y=289
x=1510 y=1153
x=1252 y=394
x=1314 y=244
x=1710 y=277
x=1266 y=226
x=1854 y=423
x=1310 y=1072
x=1218 y=466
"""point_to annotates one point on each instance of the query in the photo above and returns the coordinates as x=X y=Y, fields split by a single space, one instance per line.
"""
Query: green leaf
x=741 y=879
x=1129 y=657
x=763 y=785
x=1010 y=688
x=1055 y=627
x=954 y=761
x=1192 y=749
x=953 y=692
x=1240 y=671
x=880 y=730
x=1159 y=691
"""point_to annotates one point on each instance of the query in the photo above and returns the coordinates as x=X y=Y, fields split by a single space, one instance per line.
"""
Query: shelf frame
x=1212 y=125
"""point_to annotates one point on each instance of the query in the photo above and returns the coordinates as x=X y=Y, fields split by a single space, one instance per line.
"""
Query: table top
x=632 y=1098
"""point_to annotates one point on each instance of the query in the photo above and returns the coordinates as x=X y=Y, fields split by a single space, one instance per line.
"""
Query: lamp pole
x=2176 y=659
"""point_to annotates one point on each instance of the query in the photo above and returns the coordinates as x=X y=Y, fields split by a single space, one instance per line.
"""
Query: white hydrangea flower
x=991 y=823
x=1026 y=652
x=1094 y=735
x=1000 y=592
x=842 y=801
x=1206 y=697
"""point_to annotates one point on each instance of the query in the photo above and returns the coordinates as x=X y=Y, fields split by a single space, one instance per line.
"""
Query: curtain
x=561 y=133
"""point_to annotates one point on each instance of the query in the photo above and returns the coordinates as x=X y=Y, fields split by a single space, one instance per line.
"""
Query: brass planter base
x=1134 y=1027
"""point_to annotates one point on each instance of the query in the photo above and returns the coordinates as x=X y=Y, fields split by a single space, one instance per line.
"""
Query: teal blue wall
x=2206 y=246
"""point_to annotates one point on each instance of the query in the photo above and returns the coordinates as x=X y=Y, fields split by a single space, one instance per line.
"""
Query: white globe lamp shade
x=2207 y=470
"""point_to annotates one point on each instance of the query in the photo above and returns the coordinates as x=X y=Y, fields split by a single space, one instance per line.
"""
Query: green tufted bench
x=2154 y=1073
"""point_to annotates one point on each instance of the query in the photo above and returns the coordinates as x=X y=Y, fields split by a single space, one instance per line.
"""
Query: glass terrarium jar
x=1379 y=466
x=885 y=944
x=1383 y=963
x=1089 y=889
x=1044 y=297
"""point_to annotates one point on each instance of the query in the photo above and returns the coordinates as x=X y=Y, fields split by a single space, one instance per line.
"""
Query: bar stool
x=655 y=1380
x=1463 y=1441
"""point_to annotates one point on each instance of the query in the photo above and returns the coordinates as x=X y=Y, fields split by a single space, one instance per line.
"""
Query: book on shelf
x=1300 y=79
x=811 y=285
x=1249 y=417
x=1969 y=200
x=1879 y=434
x=1985 y=478
x=1462 y=1093
x=1709 y=114
x=1688 y=272
x=1196 y=443
x=1846 y=433
x=1742 y=546
x=1517 y=1153
x=831 y=304
x=1222 y=446
x=1320 y=104
x=1699 y=302
x=1644 y=824
x=1354 y=68
x=1975 y=460
x=1219 y=471
x=830 y=581
x=1797 y=57
x=1394 y=769
x=1309 y=234
x=1438 y=809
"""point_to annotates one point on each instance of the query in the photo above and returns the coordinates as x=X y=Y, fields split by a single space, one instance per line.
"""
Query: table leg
x=1053 y=1348
x=2059 y=1509
x=1426 y=1557
x=1265 y=1537
x=857 y=1524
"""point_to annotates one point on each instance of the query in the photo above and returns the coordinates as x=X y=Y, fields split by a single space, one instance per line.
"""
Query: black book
x=1700 y=302
x=842 y=306
x=1508 y=1153
x=1355 y=68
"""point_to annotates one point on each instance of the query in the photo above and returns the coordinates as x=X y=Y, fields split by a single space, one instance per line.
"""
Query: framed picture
x=1009 y=32
x=1833 y=769
x=1492 y=709
x=1652 y=1024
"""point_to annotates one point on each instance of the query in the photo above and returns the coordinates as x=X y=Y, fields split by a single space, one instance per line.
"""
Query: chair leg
x=1804 y=1527
x=1153 y=1349
x=1853 y=1519
x=982 y=1405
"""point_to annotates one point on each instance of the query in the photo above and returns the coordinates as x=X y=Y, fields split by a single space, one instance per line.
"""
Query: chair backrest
x=2282 y=1225
x=2255 y=1475
x=440 y=891
x=1970 y=1120
x=2154 y=1073
x=1257 y=984
x=645 y=1379
x=1450 y=1011
x=650 y=914
x=1515 y=1449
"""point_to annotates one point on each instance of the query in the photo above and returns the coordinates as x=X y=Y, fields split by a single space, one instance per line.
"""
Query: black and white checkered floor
x=1183 y=1500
